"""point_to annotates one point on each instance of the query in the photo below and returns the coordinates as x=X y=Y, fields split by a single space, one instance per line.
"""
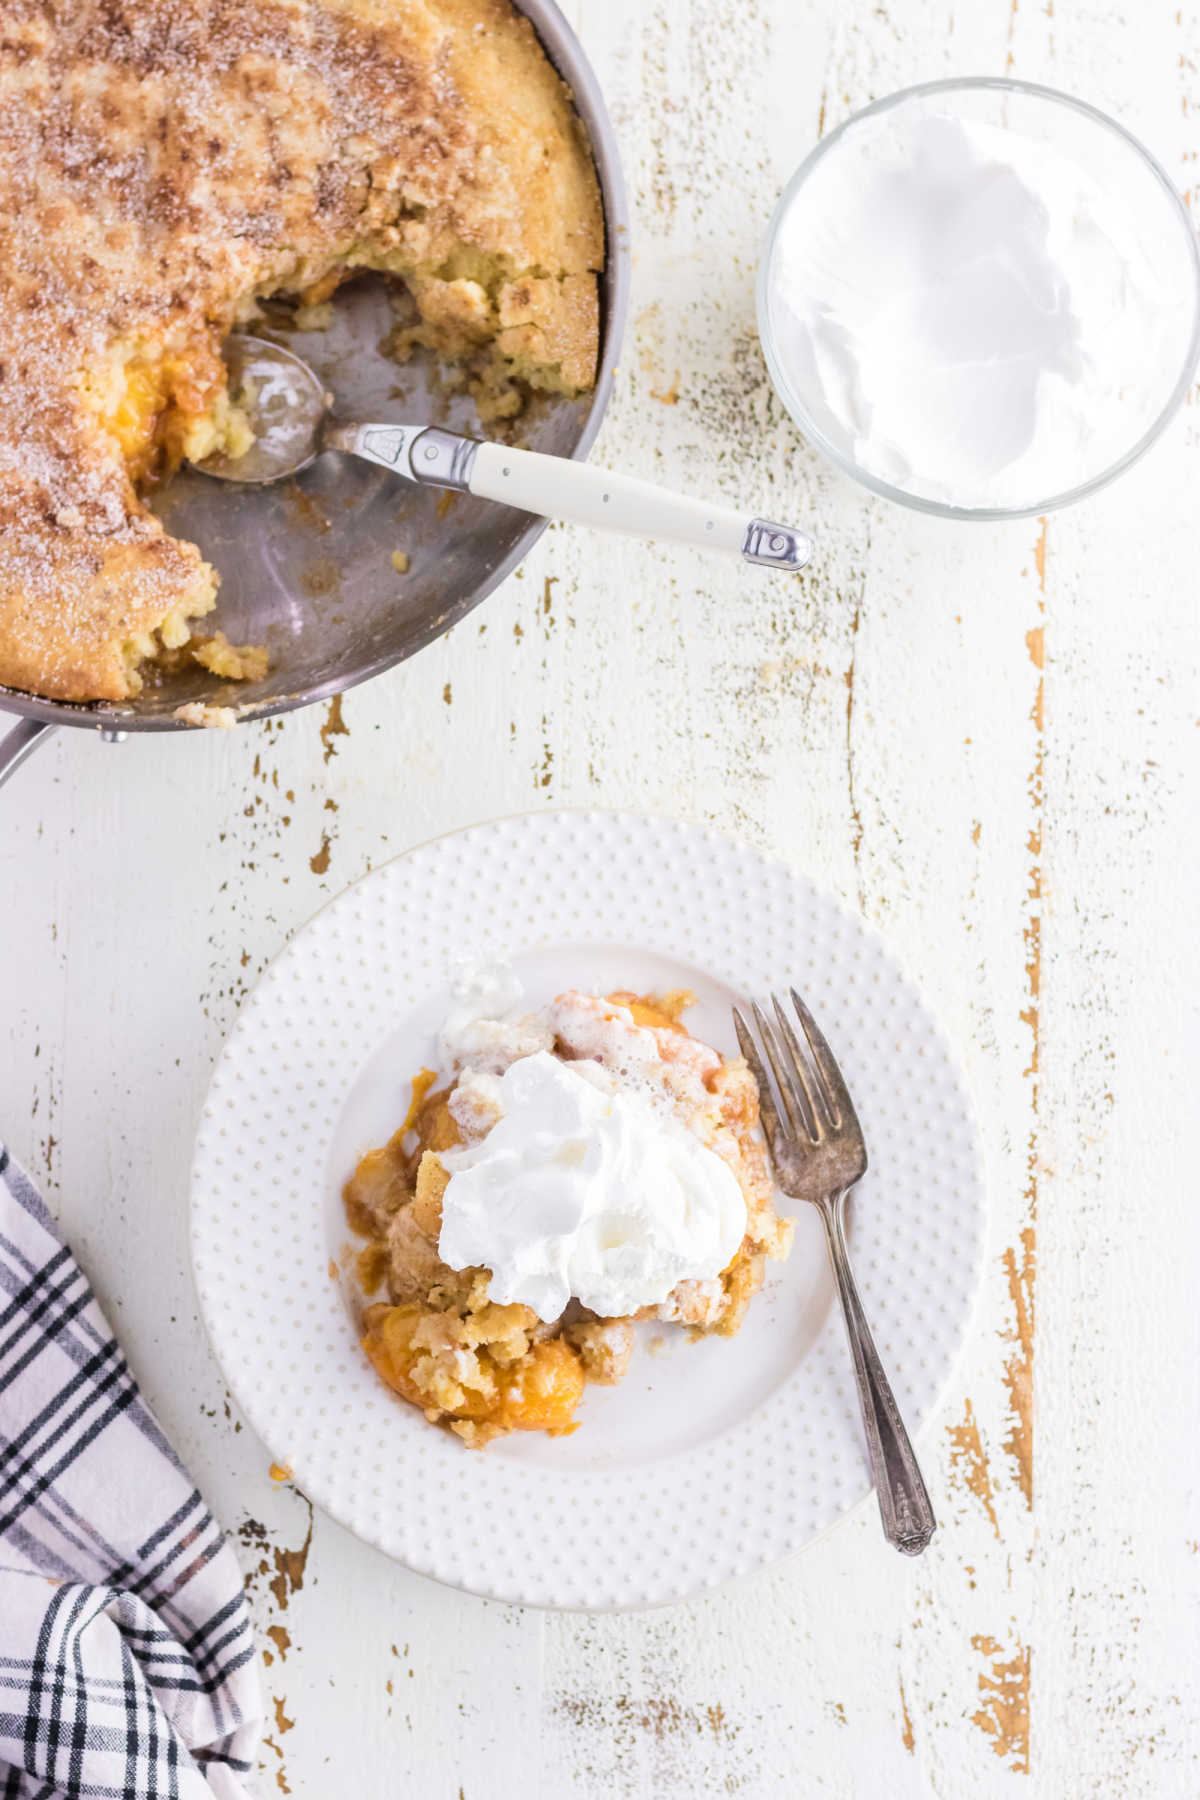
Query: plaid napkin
x=127 y=1662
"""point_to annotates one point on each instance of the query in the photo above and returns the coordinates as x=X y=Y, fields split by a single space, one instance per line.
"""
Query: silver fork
x=818 y=1152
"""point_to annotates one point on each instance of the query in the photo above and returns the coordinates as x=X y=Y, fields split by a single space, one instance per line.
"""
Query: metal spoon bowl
x=285 y=402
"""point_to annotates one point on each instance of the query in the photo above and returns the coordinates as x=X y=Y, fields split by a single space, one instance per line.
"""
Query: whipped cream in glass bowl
x=981 y=298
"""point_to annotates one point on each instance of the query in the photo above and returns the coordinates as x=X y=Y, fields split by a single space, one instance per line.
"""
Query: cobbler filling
x=170 y=403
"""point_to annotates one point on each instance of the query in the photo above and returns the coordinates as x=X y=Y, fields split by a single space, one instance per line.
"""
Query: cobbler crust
x=165 y=162
x=486 y=1369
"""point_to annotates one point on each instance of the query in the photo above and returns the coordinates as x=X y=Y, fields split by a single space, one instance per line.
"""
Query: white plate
x=711 y=1458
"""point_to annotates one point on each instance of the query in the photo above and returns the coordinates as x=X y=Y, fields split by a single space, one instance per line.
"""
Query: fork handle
x=908 y=1520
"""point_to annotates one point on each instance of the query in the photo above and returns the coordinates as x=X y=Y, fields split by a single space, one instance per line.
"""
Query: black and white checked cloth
x=127 y=1661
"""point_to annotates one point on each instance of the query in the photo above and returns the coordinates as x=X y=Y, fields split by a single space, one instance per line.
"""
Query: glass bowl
x=1087 y=137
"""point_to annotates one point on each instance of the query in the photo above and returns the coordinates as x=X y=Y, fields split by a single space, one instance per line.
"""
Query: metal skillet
x=307 y=564
x=306 y=567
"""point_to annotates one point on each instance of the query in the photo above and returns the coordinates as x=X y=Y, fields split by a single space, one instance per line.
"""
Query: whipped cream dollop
x=974 y=315
x=584 y=1189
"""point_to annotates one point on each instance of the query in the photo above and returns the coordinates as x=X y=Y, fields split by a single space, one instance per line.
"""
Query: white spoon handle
x=561 y=489
x=558 y=488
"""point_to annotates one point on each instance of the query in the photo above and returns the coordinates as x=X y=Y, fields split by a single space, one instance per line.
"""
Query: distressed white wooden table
x=984 y=738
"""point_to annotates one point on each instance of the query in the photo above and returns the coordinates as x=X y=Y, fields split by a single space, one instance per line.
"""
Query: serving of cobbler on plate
x=583 y=1166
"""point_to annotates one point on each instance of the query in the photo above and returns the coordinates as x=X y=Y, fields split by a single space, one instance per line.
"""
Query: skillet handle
x=21 y=741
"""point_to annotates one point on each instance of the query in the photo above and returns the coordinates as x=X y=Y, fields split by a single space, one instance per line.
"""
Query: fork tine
x=768 y=1112
x=836 y=1092
x=785 y=1081
x=816 y=1114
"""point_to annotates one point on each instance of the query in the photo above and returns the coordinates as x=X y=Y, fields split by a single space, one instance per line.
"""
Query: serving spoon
x=288 y=409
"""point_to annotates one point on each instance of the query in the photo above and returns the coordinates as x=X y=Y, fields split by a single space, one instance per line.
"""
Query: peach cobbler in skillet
x=166 y=166
x=584 y=1166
